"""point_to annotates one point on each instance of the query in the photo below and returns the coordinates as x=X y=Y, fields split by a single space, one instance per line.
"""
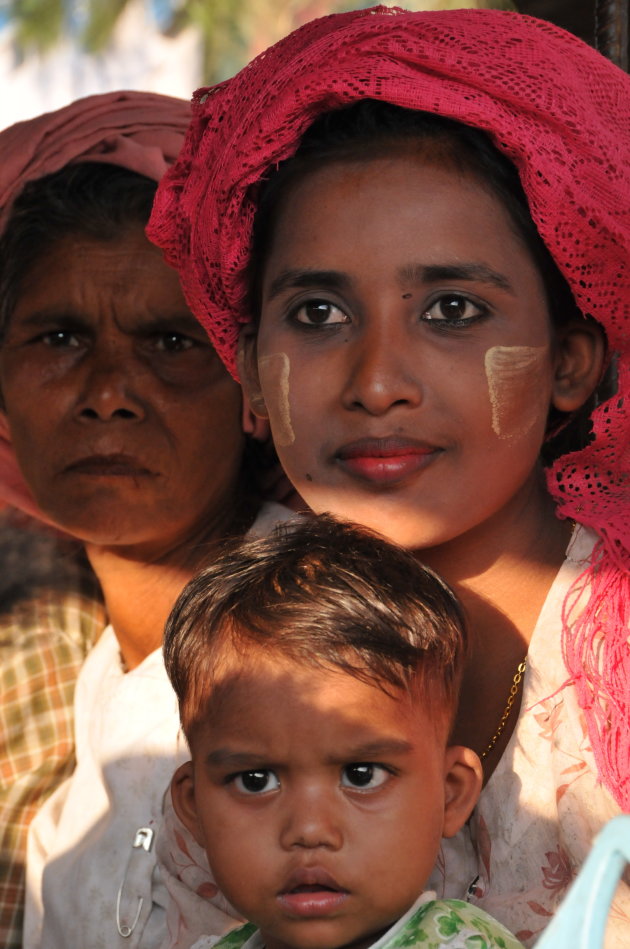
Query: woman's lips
x=114 y=465
x=386 y=461
x=312 y=892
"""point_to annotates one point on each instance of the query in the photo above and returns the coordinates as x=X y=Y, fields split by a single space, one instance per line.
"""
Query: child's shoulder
x=454 y=924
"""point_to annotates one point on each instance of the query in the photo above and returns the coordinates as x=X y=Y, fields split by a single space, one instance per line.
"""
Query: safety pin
x=143 y=840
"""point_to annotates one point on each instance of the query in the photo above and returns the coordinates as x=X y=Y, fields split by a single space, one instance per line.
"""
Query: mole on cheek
x=516 y=386
x=273 y=372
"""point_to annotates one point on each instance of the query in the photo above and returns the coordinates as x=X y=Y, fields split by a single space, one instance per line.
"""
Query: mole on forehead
x=515 y=376
x=273 y=371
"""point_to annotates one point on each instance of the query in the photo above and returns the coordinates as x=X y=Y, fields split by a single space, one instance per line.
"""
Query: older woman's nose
x=110 y=388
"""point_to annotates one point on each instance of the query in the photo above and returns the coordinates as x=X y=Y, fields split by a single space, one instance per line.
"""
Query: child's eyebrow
x=240 y=760
x=433 y=273
x=373 y=750
x=366 y=751
x=321 y=279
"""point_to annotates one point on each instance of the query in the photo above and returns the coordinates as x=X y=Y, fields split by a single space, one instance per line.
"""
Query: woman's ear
x=579 y=361
x=463 y=777
x=247 y=364
x=252 y=424
x=183 y=795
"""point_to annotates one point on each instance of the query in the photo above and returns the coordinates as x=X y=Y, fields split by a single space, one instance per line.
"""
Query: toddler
x=317 y=674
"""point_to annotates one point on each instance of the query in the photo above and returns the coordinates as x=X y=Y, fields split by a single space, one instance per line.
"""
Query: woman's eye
x=319 y=313
x=454 y=308
x=256 y=782
x=59 y=339
x=366 y=776
x=173 y=342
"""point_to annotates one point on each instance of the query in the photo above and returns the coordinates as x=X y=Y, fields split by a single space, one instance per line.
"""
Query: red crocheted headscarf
x=561 y=113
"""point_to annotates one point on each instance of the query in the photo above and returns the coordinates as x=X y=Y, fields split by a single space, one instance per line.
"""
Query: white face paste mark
x=273 y=372
x=516 y=385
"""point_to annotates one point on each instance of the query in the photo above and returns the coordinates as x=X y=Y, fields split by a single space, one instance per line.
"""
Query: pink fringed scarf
x=561 y=113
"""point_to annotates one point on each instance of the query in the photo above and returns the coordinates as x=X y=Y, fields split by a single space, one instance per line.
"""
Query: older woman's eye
x=319 y=313
x=456 y=309
x=59 y=338
x=173 y=342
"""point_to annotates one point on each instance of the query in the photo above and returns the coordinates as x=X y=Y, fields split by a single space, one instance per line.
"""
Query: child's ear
x=183 y=795
x=247 y=363
x=463 y=777
x=579 y=360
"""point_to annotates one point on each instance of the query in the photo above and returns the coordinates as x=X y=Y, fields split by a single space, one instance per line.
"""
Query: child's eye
x=364 y=775
x=454 y=308
x=318 y=313
x=256 y=782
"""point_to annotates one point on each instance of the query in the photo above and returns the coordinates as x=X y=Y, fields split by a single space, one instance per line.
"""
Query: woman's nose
x=109 y=389
x=381 y=370
x=312 y=819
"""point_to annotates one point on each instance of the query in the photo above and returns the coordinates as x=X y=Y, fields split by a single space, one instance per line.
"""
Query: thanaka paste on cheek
x=273 y=372
x=516 y=387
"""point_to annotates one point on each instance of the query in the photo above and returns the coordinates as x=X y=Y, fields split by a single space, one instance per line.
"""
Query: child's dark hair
x=324 y=593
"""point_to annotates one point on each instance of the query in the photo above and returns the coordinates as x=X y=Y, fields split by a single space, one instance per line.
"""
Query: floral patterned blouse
x=429 y=924
x=537 y=816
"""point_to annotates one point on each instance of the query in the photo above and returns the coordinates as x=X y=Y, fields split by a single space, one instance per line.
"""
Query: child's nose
x=382 y=371
x=311 y=820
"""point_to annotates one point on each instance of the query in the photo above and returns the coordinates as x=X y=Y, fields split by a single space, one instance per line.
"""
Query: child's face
x=404 y=355
x=320 y=801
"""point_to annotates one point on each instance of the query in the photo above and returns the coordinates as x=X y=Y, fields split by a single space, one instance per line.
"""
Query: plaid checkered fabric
x=46 y=629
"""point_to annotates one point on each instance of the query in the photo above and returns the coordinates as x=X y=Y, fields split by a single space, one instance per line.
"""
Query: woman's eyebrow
x=322 y=279
x=433 y=273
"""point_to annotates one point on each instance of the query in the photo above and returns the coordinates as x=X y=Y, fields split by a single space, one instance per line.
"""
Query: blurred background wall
x=54 y=51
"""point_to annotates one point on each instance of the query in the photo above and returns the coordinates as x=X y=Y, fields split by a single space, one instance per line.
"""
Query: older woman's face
x=124 y=421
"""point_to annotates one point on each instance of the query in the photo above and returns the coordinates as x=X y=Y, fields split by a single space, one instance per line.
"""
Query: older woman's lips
x=312 y=892
x=386 y=461
x=111 y=466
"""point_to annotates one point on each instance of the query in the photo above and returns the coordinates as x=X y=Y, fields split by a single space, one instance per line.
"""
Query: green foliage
x=231 y=30
x=102 y=16
x=39 y=24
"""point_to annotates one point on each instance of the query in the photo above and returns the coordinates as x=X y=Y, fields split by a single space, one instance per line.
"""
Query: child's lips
x=311 y=892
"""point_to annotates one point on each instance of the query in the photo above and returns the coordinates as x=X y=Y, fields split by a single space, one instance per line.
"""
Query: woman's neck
x=141 y=583
x=138 y=599
x=502 y=579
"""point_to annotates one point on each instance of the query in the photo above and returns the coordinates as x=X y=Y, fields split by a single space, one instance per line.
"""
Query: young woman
x=423 y=219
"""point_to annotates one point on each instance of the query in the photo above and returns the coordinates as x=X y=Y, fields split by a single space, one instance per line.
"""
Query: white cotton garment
x=81 y=845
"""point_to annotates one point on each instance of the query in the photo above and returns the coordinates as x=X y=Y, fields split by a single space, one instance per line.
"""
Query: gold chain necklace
x=516 y=681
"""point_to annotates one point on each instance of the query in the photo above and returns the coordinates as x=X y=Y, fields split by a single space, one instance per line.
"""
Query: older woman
x=129 y=434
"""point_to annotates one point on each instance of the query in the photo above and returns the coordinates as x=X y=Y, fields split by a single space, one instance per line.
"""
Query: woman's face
x=404 y=354
x=124 y=421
